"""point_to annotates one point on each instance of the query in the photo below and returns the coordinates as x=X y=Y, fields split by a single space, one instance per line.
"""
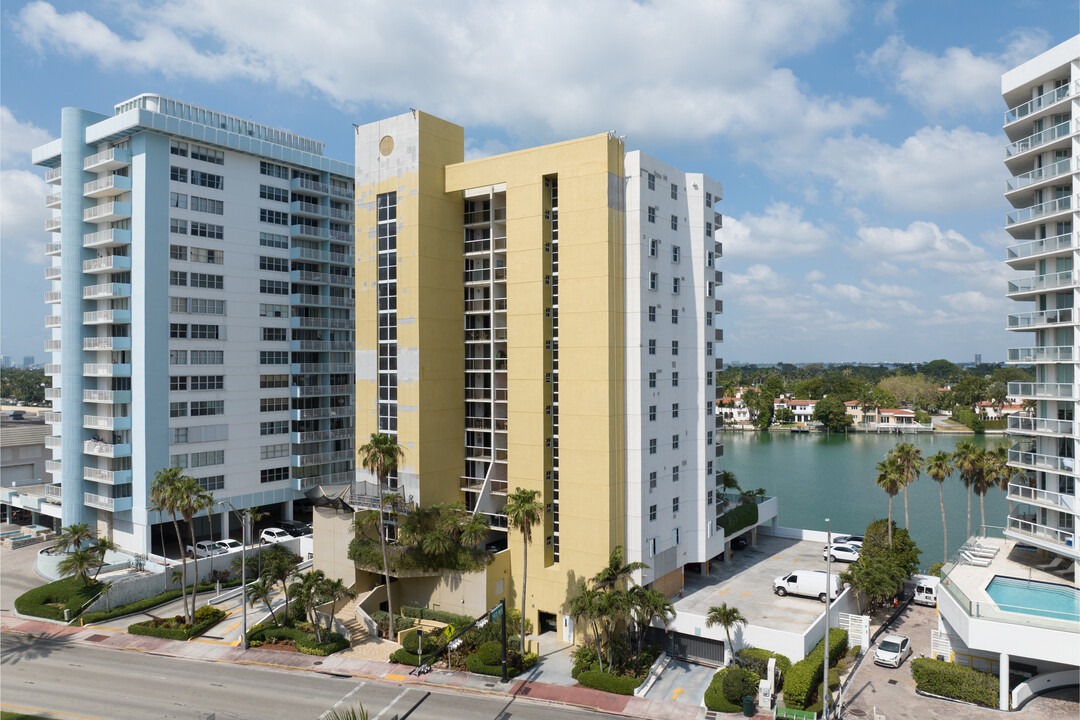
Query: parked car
x=926 y=588
x=841 y=553
x=848 y=540
x=295 y=527
x=274 y=535
x=204 y=548
x=893 y=651
x=229 y=545
x=810 y=583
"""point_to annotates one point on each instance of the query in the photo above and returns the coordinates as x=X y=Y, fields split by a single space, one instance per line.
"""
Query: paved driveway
x=682 y=682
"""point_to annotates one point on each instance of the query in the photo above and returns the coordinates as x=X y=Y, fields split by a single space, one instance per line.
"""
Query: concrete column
x=1003 y=682
x=287 y=513
x=224 y=524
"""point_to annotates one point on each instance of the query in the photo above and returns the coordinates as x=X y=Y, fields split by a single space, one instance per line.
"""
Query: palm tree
x=648 y=605
x=1005 y=473
x=99 y=547
x=986 y=478
x=166 y=497
x=307 y=594
x=79 y=562
x=474 y=531
x=728 y=482
x=911 y=461
x=727 y=618
x=966 y=461
x=278 y=563
x=586 y=605
x=890 y=479
x=523 y=510
x=939 y=467
x=382 y=455
x=616 y=574
x=73 y=536
x=332 y=591
x=192 y=499
x=262 y=591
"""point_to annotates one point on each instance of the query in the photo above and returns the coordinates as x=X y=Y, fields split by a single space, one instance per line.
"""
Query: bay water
x=819 y=475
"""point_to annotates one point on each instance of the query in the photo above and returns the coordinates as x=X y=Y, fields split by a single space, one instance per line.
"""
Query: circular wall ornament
x=386 y=145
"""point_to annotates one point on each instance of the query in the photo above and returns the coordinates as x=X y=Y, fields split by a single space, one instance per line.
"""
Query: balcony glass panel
x=1061 y=167
x=1027 y=355
x=1039 y=247
x=1045 y=100
x=1038 y=139
x=1041 y=390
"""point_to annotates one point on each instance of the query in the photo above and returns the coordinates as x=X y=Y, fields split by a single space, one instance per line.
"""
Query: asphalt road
x=57 y=679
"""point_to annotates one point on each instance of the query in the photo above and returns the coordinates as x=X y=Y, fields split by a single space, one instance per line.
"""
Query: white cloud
x=758 y=277
x=726 y=75
x=814 y=276
x=474 y=151
x=889 y=291
x=848 y=293
x=22 y=215
x=780 y=231
x=19 y=139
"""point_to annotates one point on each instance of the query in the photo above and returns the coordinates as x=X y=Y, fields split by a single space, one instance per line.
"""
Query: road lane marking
x=399 y=678
x=383 y=711
x=677 y=692
x=343 y=700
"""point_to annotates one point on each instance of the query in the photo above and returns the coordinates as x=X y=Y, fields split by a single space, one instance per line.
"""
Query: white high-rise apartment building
x=202 y=297
x=1043 y=125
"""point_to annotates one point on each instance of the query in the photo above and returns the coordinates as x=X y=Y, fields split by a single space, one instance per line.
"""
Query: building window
x=274 y=217
x=178 y=252
x=708 y=467
x=178 y=200
x=178 y=409
x=652 y=413
x=652 y=214
x=674 y=222
x=708 y=438
x=652 y=547
x=177 y=227
x=178 y=435
x=674 y=379
x=652 y=379
x=675 y=504
x=652 y=480
x=210 y=155
x=652 y=346
x=177 y=277
x=210 y=457
x=674 y=191
x=654 y=280
x=674 y=473
x=708 y=199
x=676 y=285
x=674 y=316
x=708 y=318
x=270 y=475
x=206 y=205
x=178 y=174
x=273 y=381
x=675 y=442
x=674 y=410
x=178 y=330
x=708 y=349
x=208 y=407
x=272 y=334
x=273 y=404
x=205 y=332
x=268 y=310
x=206 y=230
x=652 y=181
x=205 y=306
x=178 y=382
x=273 y=170
x=654 y=248
x=273 y=357
x=205 y=255
x=652 y=513
x=214 y=482
x=273 y=264
x=652 y=313
x=178 y=357
x=178 y=461
x=178 y=148
x=274 y=427
x=274 y=287
x=207 y=180
x=269 y=192
x=210 y=282
x=207 y=357
x=269 y=452
x=178 y=304
x=708 y=228
x=674 y=347
x=273 y=241
x=676 y=254
x=207 y=382
x=676 y=535
x=652 y=446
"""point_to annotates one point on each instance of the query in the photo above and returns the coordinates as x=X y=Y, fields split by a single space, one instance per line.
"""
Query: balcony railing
x=52 y=297
x=107 y=212
x=319 y=390
x=110 y=263
x=1045 y=100
x=343 y=193
x=53 y=441
x=52 y=345
x=1019 y=455
x=109 y=450
x=1038 y=139
x=299 y=207
x=53 y=201
x=108 y=397
x=1034 y=212
x=53 y=492
x=107 y=238
x=1022 y=424
x=98 y=317
x=52 y=466
x=341 y=215
x=106 y=370
x=1039 y=318
x=52 y=369
x=52 y=393
x=1053 y=353
x=52 y=321
x=110 y=477
x=1035 y=496
x=52 y=176
x=1057 y=243
x=1039 y=283
x=1041 y=390
x=321 y=368
x=106 y=290
x=309 y=232
x=52 y=224
x=107 y=160
x=1061 y=167
x=52 y=249
x=105 y=502
x=94 y=344
x=107 y=186
x=1026 y=525
x=309 y=186
x=106 y=422
x=52 y=272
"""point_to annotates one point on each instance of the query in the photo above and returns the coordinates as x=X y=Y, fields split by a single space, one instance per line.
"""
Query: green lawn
x=6 y=715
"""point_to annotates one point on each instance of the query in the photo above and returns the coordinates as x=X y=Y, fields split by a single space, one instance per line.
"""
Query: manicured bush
x=490 y=653
x=475 y=664
x=529 y=660
x=148 y=604
x=737 y=682
x=382 y=619
x=205 y=618
x=458 y=621
x=958 y=682
x=834 y=682
x=802 y=680
x=609 y=683
x=757 y=659
x=739 y=517
x=305 y=641
x=714 y=695
x=855 y=651
x=50 y=600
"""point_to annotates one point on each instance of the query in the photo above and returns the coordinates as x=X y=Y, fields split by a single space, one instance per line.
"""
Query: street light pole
x=245 y=520
x=828 y=604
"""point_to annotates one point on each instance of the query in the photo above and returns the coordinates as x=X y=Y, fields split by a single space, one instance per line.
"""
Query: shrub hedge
x=738 y=682
x=382 y=619
x=50 y=600
x=801 y=682
x=458 y=621
x=834 y=683
x=305 y=641
x=757 y=660
x=714 y=695
x=609 y=683
x=205 y=618
x=475 y=663
x=739 y=517
x=148 y=604
x=955 y=681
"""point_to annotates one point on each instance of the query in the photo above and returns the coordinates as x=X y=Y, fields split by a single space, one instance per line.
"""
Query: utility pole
x=502 y=614
x=245 y=522
x=828 y=604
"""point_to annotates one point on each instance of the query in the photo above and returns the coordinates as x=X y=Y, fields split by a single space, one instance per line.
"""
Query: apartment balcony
x=1024 y=255
x=111 y=159
x=341 y=478
x=321 y=323
x=52 y=393
x=306 y=276
x=107 y=212
x=107 y=370
x=1051 y=354
x=52 y=345
x=94 y=344
x=53 y=442
x=342 y=193
x=53 y=201
x=106 y=317
x=109 y=477
x=107 y=264
x=1039 y=319
x=1023 y=425
x=107 y=397
x=113 y=237
x=106 y=422
x=341 y=215
x=104 y=502
x=321 y=368
x=1042 y=391
x=52 y=176
x=52 y=224
x=1038 y=140
x=1029 y=286
x=52 y=369
x=1022 y=526
x=1038 y=176
x=298 y=208
x=1045 y=210
x=321 y=300
x=307 y=232
x=1021 y=493
x=1022 y=455
x=52 y=297
x=53 y=493
x=309 y=187
x=1043 y=102
x=52 y=466
x=321 y=458
x=322 y=435
x=52 y=321
x=319 y=391
x=108 y=186
x=322 y=413
x=338 y=280
x=106 y=290
x=321 y=346
x=301 y=253
x=52 y=249
x=52 y=272
x=106 y=450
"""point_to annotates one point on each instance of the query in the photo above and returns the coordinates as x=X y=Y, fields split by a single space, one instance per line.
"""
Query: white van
x=810 y=583
x=926 y=588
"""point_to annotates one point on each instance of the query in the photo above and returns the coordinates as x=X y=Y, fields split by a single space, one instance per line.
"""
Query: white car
x=838 y=553
x=229 y=545
x=274 y=535
x=892 y=651
x=205 y=548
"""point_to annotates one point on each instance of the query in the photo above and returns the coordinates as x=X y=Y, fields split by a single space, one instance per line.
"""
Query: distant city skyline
x=860 y=145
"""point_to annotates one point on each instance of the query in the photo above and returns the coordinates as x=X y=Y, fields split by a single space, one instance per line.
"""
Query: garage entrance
x=701 y=650
x=548 y=623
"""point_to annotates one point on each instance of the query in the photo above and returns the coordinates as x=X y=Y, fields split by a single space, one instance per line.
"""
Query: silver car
x=892 y=651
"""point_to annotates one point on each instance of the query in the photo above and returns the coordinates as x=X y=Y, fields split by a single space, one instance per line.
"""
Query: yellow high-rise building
x=493 y=303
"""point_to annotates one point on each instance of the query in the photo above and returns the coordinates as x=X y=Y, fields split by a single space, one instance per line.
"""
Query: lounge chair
x=987 y=548
x=980 y=551
x=975 y=560
x=1052 y=565
x=1067 y=570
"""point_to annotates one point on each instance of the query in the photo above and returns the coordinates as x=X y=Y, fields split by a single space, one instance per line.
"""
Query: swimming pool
x=1032 y=597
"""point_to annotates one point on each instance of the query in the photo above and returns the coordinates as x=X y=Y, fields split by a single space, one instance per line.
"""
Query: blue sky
x=859 y=143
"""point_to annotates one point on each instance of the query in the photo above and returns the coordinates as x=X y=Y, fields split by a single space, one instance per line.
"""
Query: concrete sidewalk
x=355 y=667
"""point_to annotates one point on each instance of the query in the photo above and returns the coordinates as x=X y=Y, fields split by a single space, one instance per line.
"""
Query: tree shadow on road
x=17 y=647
